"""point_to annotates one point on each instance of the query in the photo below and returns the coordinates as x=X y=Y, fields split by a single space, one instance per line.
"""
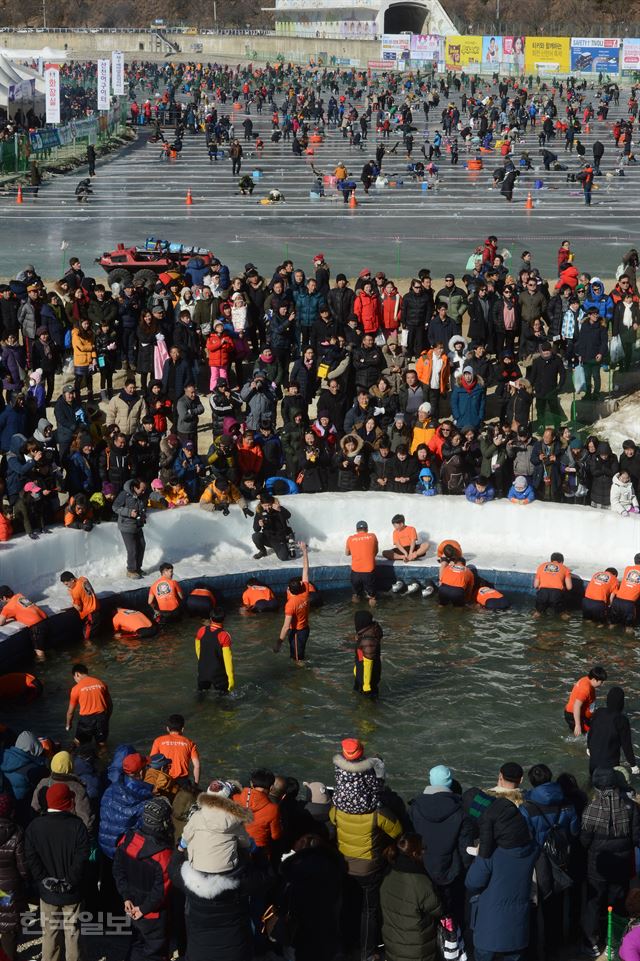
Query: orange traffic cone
x=189 y=200
x=352 y=199
x=19 y=197
x=587 y=129
x=529 y=202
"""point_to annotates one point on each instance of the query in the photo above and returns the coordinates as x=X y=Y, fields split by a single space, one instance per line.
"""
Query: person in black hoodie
x=341 y=299
x=610 y=733
x=438 y=817
x=140 y=872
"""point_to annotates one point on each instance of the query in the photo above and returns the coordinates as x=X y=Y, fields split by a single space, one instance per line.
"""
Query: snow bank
x=506 y=542
x=620 y=425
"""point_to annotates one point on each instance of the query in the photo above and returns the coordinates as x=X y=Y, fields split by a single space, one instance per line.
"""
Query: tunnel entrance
x=405 y=16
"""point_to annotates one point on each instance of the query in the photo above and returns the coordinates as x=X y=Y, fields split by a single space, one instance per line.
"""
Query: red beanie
x=60 y=798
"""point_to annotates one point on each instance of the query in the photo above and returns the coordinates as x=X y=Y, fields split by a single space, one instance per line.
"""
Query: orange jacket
x=266 y=825
x=368 y=310
x=391 y=310
x=424 y=365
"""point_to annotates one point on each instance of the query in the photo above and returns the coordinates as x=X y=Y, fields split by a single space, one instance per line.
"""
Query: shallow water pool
x=463 y=687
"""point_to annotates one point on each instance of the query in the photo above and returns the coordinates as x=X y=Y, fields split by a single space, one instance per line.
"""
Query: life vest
x=551 y=575
x=166 y=593
x=601 y=586
x=255 y=593
x=455 y=575
x=211 y=666
x=486 y=594
x=629 y=589
x=130 y=622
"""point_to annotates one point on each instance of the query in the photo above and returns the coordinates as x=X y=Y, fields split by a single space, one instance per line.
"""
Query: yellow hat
x=62 y=763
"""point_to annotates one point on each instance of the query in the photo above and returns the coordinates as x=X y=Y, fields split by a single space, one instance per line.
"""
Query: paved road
x=400 y=229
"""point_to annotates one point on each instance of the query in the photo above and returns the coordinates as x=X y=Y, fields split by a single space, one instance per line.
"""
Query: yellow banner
x=460 y=52
x=547 y=55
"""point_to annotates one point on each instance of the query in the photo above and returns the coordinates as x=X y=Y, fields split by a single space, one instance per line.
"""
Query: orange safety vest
x=551 y=575
x=130 y=622
x=204 y=592
x=601 y=586
x=487 y=594
x=455 y=575
x=166 y=593
x=255 y=593
x=629 y=589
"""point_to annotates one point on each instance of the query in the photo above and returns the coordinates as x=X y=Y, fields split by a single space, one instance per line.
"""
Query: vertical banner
x=631 y=53
x=52 y=94
x=103 y=84
x=117 y=72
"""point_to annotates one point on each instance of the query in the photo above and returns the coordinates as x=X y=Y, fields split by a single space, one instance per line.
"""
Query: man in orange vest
x=552 y=583
x=84 y=601
x=362 y=547
x=200 y=601
x=19 y=608
x=165 y=594
x=92 y=698
x=295 y=626
x=598 y=594
x=624 y=606
x=455 y=582
x=258 y=597
x=130 y=623
x=579 y=707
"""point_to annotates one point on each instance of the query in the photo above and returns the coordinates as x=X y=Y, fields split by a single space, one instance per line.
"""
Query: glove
x=635 y=769
x=247 y=512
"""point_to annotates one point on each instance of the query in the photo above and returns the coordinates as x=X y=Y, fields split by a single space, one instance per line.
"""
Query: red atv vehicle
x=145 y=264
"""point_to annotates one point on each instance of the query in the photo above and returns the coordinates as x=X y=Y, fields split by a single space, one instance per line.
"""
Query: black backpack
x=552 y=866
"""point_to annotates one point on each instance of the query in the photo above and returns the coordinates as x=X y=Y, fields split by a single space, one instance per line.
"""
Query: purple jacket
x=630 y=947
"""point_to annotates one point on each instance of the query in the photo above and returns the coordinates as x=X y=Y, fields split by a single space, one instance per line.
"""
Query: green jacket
x=410 y=907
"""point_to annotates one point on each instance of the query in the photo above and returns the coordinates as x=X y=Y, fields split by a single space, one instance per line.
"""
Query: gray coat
x=125 y=504
x=260 y=403
x=188 y=412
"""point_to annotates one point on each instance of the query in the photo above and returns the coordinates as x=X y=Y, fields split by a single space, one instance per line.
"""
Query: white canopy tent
x=21 y=88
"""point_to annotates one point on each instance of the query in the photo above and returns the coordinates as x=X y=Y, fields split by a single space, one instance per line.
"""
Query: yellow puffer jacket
x=84 y=351
x=362 y=838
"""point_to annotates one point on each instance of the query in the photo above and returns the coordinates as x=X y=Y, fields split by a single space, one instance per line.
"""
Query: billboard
x=426 y=46
x=631 y=54
x=460 y=52
x=395 y=46
x=546 y=55
x=499 y=51
x=595 y=54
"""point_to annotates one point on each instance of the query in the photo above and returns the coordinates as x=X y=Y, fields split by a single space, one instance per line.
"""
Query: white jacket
x=213 y=833
x=622 y=496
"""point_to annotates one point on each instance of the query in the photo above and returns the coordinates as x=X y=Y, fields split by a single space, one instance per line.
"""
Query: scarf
x=468 y=387
x=608 y=813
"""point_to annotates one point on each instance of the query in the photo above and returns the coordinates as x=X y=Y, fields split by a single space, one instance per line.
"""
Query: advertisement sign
x=631 y=54
x=595 y=54
x=461 y=52
x=25 y=90
x=103 y=84
x=426 y=46
x=52 y=94
x=547 y=55
x=395 y=46
x=513 y=52
x=44 y=139
x=117 y=72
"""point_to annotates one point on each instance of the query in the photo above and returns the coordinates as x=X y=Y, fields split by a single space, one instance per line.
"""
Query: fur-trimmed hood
x=206 y=886
x=225 y=805
x=353 y=767
x=359 y=444
x=514 y=795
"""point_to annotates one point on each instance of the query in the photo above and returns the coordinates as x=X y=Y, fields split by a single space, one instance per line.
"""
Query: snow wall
x=505 y=541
